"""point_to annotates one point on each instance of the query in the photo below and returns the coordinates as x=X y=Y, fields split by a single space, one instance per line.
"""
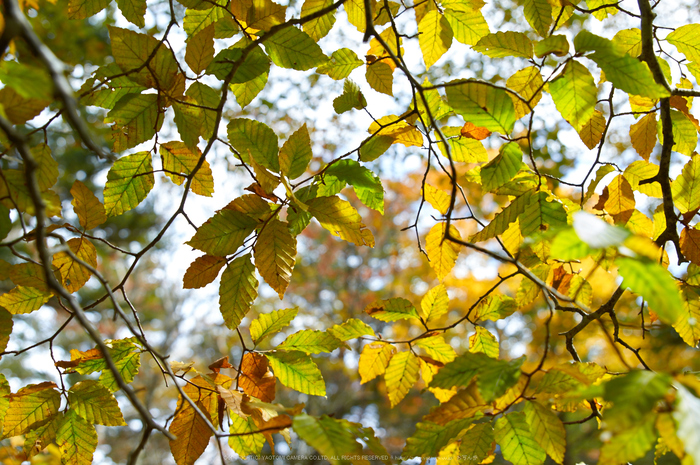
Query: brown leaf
x=234 y=400
x=256 y=188
x=561 y=280
x=255 y=379
x=471 y=131
x=219 y=364
x=202 y=271
x=690 y=244
x=592 y=131
x=602 y=199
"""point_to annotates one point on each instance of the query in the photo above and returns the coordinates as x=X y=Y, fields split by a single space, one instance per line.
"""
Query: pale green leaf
x=400 y=376
x=541 y=214
x=21 y=300
x=501 y=169
x=349 y=99
x=95 y=403
x=687 y=40
x=311 y=342
x=254 y=139
x=481 y=104
x=500 y=223
x=136 y=119
x=31 y=406
x=556 y=44
x=468 y=25
x=575 y=94
x=539 y=14
x=245 y=444
x=504 y=44
x=293 y=48
x=129 y=181
x=430 y=437
x=298 y=371
x=477 y=443
x=437 y=348
x=296 y=153
x=391 y=309
x=463 y=149
x=76 y=439
x=351 y=329
x=342 y=62
x=483 y=341
x=329 y=436
x=517 y=442
x=247 y=91
x=269 y=323
x=547 y=429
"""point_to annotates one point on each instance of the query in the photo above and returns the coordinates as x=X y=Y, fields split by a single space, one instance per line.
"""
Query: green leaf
x=95 y=403
x=255 y=64
x=500 y=223
x=132 y=50
x=517 y=442
x=494 y=308
x=380 y=77
x=629 y=40
x=32 y=406
x=366 y=184
x=293 y=48
x=207 y=97
x=435 y=303
x=245 y=444
x=654 y=284
x=127 y=366
x=688 y=324
x=29 y=82
x=482 y=341
x=21 y=300
x=477 y=443
x=501 y=169
x=298 y=371
x=400 y=376
x=686 y=187
x=311 y=342
x=341 y=63
x=687 y=416
x=494 y=377
x=541 y=214
x=129 y=181
x=270 y=323
x=624 y=71
x=197 y=20
x=81 y=9
x=394 y=309
x=505 y=44
x=375 y=146
x=483 y=105
x=539 y=14
x=134 y=11
x=254 y=139
x=177 y=158
x=295 y=154
x=341 y=219
x=687 y=40
x=5 y=221
x=468 y=25
x=349 y=99
x=329 y=436
x=430 y=437
x=463 y=149
x=77 y=439
x=685 y=136
x=6 y=325
x=437 y=348
x=575 y=94
x=238 y=291
x=435 y=37
x=317 y=28
x=246 y=92
x=275 y=252
x=136 y=119
x=630 y=445
x=556 y=44
x=547 y=429
x=351 y=329
x=633 y=396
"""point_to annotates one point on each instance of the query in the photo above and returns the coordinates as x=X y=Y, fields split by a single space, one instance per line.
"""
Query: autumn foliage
x=543 y=299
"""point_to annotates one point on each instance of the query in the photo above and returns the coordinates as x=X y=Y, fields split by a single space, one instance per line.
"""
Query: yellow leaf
x=73 y=273
x=528 y=84
x=374 y=359
x=592 y=131
x=442 y=253
x=275 y=252
x=341 y=219
x=435 y=303
x=621 y=197
x=192 y=433
x=91 y=213
x=401 y=375
x=380 y=77
x=179 y=162
x=483 y=341
x=435 y=37
x=440 y=200
x=437 y=348
x=643 y=135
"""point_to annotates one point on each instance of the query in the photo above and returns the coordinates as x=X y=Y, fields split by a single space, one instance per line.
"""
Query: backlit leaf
x=374 y=359
x=254 y=139
x=275 y=252
x=21 y=300
x=503 y=44
x=687 y=40
x=528 y=84
x=477 y=444
x=435 y=303
x=592 y=132
x=400 y=376
x=442 y=252
x=293 y=48
x=438 y=199
x=435 y=37
x=128 y=183
x=501 y=169
x=223 y=233
x=643 y=135
x=95 y=403
x=349 y=99
x=437 y=348
x=468 y=25
x=192 y=434
x=430 y=437
x=317 y=28
x=33 y=405
x=90 y=211
x=295 y=153
x=541 y=214
x=245 y=444
x=329 y=436
x=380 y=77
x=394 y=309
x=547 y=429
x=517 y=442
x=686 y=187
x=298 y=371
x=269 y=323
x=202 y=271
x=134 y=11
x=76 y=439
x=73 y=273
x=503 y=219
x=200 y=49
x=311 y=342
x=351 y=329
x=256 y=380
x=539 y=14
x=575 y=94
x=483 y=341
x=238 y=291
x=341 y=219
x=654 y=284
x=342 y=62
x=482 y=104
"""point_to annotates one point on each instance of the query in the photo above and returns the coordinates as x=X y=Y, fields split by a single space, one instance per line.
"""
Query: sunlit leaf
x=503 y=44
x=430 y=437
x=442 y=252
x=128 y=183
x=74 y=274
x=298 y=371
x=275 y=252
x=95 y=403
x=23 y=299
x=400 y=376
x=575 y=94
x=435 y=303
x=269 y=323
x=374 y=359
x=223 y=233
x=435 y=37
x=483 y=105
x=311 y=342
x=293 y=48
x=391 y=309
x=341 y=219
x=517 y=441
x=483 y=341
x=90 y=211
x=77 y=439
